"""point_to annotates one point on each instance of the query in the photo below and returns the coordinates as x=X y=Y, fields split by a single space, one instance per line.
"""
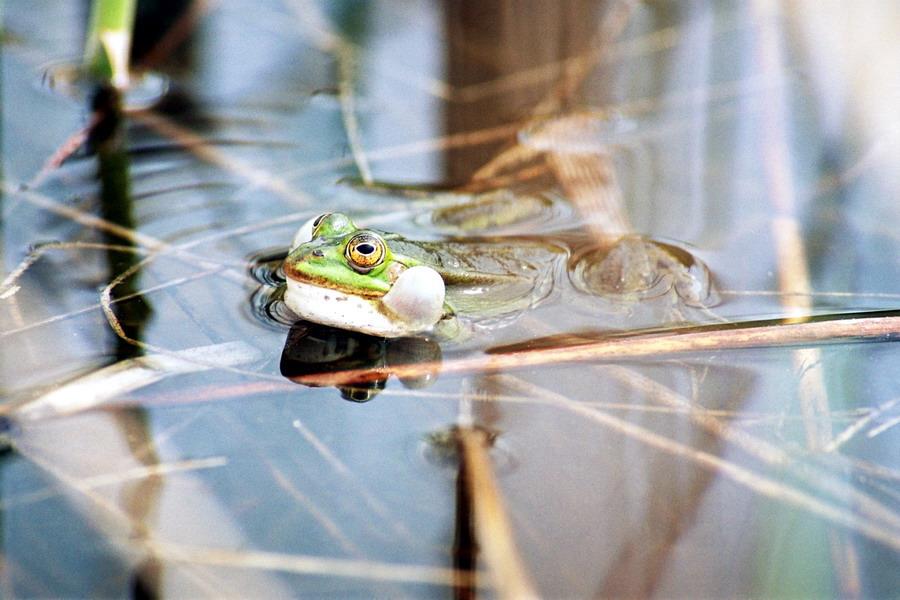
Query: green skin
x=322 y=260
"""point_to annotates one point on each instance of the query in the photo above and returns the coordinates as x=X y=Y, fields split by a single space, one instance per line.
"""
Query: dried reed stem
x=492 y=528
x=656 y=345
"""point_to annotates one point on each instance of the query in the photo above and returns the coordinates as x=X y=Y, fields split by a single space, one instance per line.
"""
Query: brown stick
x=656 y=345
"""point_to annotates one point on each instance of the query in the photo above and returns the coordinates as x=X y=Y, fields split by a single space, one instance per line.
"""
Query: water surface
x=193 y=440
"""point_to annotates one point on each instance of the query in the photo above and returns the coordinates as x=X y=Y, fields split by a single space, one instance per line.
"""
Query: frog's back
x=489 y=278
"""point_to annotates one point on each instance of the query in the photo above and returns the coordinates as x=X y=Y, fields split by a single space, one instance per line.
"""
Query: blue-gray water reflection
x=759 y=136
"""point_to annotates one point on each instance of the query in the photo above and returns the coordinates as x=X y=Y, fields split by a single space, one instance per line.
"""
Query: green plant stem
x=108 y=43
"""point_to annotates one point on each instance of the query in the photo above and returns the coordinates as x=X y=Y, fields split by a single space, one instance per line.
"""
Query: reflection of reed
x=587 y=178
x=869 y=517
x=489 y=41
x=485 y=526
x=678 y=489
x=107 y=138
x=672 y=507
x=465 y=542
x=590 y=183
x=792 y=268
x=639 y=556
x=140 y=498
x=483 y=530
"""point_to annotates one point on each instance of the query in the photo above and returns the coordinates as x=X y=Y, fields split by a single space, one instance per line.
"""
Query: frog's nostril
x=318 y=253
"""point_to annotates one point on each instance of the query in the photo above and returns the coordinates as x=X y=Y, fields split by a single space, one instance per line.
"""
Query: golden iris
x=365 y=251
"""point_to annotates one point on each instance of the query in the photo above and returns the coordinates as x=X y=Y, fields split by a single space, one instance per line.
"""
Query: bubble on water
x=144 y=90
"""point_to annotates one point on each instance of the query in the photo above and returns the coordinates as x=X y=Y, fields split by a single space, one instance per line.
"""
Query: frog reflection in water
x=386 y=285
x=358 y=365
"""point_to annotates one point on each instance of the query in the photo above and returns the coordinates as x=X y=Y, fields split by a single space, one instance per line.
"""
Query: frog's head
x=324 y=225
x=340 y=256
x=347 y=277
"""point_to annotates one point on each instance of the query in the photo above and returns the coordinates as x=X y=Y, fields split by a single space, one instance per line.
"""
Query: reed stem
x=108 y=45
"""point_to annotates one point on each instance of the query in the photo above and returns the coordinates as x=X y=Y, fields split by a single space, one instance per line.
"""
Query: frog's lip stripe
x=293 y=275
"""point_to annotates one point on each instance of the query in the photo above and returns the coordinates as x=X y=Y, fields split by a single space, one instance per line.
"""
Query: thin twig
x=311 y=565
x=656 y=345
x=373 y=503
x=742 y=476
x=200 y=147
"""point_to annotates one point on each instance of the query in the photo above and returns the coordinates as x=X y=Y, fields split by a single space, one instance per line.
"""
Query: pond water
x=696 y=397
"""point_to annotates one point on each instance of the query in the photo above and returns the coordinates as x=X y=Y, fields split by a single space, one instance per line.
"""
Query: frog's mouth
x=291 y=274
x=336 y=308
x=414 y=303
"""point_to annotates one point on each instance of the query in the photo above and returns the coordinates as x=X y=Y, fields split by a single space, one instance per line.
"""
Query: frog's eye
x=365 y=251
x=318 y=221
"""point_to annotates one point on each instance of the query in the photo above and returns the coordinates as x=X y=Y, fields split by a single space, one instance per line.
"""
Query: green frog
x=386 y=285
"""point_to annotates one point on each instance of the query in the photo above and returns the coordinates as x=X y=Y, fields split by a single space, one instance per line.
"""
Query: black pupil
x=365 y=248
